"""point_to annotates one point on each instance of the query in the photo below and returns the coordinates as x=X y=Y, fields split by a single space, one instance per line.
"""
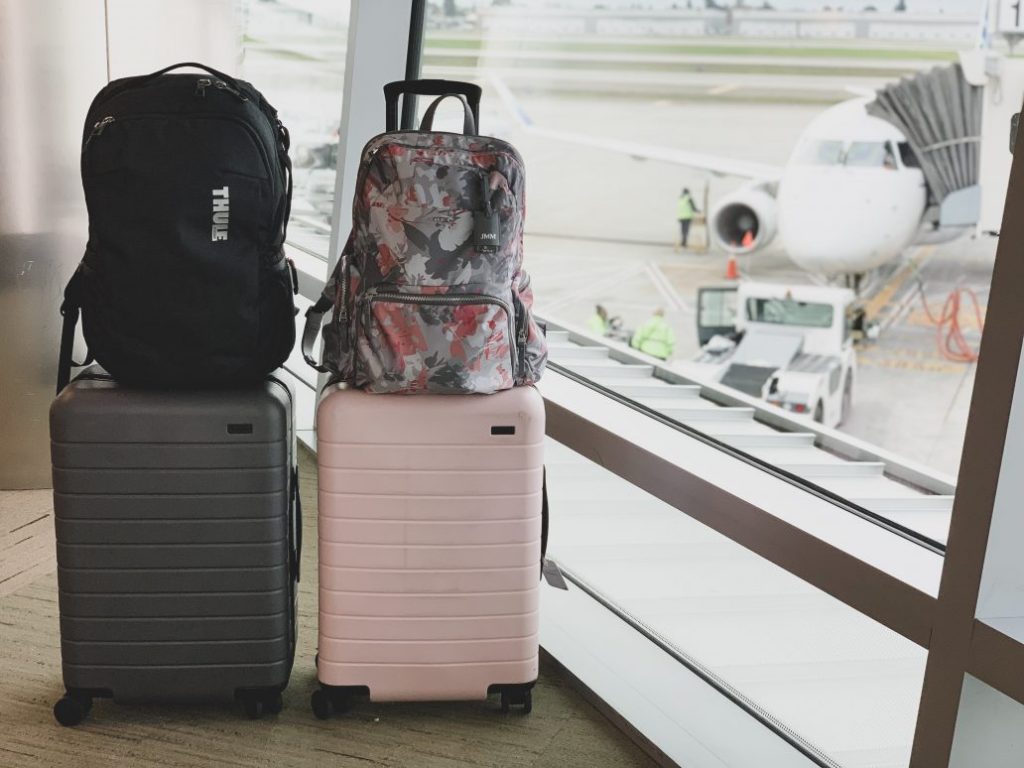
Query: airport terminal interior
x=772 y=250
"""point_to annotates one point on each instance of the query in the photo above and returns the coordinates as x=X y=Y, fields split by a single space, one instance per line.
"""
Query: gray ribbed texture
x=940 y=114
x=174 y=543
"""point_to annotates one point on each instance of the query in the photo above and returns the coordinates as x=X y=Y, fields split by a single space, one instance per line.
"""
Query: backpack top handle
x=128 y=83
x=468 y=119
x=209 y=70
x=393 y=90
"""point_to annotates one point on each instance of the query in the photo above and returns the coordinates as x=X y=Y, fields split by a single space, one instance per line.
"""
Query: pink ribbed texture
x=429 y=542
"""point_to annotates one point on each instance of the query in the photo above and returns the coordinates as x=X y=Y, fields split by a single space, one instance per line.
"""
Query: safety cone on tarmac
x=732 y=271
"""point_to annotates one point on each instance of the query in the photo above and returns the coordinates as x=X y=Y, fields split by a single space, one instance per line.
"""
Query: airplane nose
x=831 y=224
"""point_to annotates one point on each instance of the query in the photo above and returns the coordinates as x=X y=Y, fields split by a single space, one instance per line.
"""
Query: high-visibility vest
x=684 y=208
x=598 y=325
x=655 y=338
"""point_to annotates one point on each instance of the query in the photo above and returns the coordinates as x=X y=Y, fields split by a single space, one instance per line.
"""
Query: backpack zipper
x=374 y=294
x=99 y=127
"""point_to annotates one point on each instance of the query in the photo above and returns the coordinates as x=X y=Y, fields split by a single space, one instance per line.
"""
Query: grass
x=864 y=53
x=471 y=63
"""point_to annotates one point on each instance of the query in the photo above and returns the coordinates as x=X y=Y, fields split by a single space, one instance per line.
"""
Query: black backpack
x=184 y=282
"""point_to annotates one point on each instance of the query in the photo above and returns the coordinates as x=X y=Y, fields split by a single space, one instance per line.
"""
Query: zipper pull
x=201 y=85
x=233 y=91
x=98 y=127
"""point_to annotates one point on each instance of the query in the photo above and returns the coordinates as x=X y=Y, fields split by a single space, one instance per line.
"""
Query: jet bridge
x=939 y=112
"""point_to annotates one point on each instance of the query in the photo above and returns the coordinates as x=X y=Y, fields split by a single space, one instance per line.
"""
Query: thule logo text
x=221 y=208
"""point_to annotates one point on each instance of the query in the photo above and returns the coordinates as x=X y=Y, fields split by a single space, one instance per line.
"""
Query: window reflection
x=789 y=312
x=295 y=54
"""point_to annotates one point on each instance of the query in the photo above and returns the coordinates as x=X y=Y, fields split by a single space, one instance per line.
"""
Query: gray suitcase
x=178 y=540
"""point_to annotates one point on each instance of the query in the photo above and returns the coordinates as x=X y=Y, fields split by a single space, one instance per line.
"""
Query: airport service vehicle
x=857 y=189
x=789 y=345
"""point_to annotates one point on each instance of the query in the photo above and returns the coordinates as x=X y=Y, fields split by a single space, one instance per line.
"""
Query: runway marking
x=909 y=359
x=920 y=366
x=592 y=290
x=665 y=288
x=884 y=297
x=718 y=90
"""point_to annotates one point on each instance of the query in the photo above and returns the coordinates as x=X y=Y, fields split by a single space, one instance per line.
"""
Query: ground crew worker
x=655 y=337
x=686 y=209
x=599 y=322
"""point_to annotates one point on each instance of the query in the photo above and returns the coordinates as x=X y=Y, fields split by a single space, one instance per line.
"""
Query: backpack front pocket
x=441 y=343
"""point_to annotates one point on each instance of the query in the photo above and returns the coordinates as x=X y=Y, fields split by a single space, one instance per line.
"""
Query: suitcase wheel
x=72 y=708
x=329 y=699
x=519 y=698
x=321 y=703
x=259 y=703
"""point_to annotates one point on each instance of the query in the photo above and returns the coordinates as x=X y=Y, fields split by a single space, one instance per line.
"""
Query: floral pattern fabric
x=430 y=294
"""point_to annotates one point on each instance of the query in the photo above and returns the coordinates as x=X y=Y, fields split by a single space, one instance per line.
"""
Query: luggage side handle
x=296 y=510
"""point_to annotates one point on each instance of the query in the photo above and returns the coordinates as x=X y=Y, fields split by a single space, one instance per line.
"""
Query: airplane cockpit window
x=790 y=312
x=871 y=154
x=822 y=153
x=907 y=156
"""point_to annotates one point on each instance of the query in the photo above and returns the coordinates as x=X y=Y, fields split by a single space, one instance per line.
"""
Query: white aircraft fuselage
x=847 y=202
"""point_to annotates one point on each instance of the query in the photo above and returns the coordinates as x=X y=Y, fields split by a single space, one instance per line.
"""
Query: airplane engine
x=746 y=220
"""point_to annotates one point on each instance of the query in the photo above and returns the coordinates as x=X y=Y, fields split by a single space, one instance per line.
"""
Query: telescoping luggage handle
x=392 y=91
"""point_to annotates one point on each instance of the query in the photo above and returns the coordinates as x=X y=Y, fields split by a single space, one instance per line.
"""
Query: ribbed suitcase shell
x=174 y=538
x=430 y=542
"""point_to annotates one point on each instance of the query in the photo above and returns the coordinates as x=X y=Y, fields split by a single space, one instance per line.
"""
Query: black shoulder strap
x=70 y=308
x=549 y=570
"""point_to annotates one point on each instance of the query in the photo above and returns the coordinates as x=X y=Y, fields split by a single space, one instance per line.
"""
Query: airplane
x=851 y=197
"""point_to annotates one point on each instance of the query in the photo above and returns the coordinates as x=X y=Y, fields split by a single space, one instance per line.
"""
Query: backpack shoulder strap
x=315 y=314
x=314 y=319
x=70 y=309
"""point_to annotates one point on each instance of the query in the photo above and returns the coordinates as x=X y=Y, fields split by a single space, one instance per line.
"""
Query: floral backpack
x=429 y=294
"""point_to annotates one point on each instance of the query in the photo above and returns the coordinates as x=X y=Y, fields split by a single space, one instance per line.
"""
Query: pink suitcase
x=430 y=546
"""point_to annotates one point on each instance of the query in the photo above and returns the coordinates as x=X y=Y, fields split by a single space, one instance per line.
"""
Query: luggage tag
x=486 y=223
x=553 y=574
x=486 y=231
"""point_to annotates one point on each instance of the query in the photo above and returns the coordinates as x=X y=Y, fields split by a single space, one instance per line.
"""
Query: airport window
x=604 y=229
x=296 y=52
x=635 y=125
x=791 y=655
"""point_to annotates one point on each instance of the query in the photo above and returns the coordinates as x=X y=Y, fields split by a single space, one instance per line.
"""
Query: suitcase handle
x=297 y=522
x=428 y=88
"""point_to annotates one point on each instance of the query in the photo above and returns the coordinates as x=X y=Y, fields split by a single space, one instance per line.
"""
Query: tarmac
x=601 y=229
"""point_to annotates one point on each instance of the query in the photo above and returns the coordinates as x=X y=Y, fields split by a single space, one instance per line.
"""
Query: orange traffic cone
x=732 y=271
